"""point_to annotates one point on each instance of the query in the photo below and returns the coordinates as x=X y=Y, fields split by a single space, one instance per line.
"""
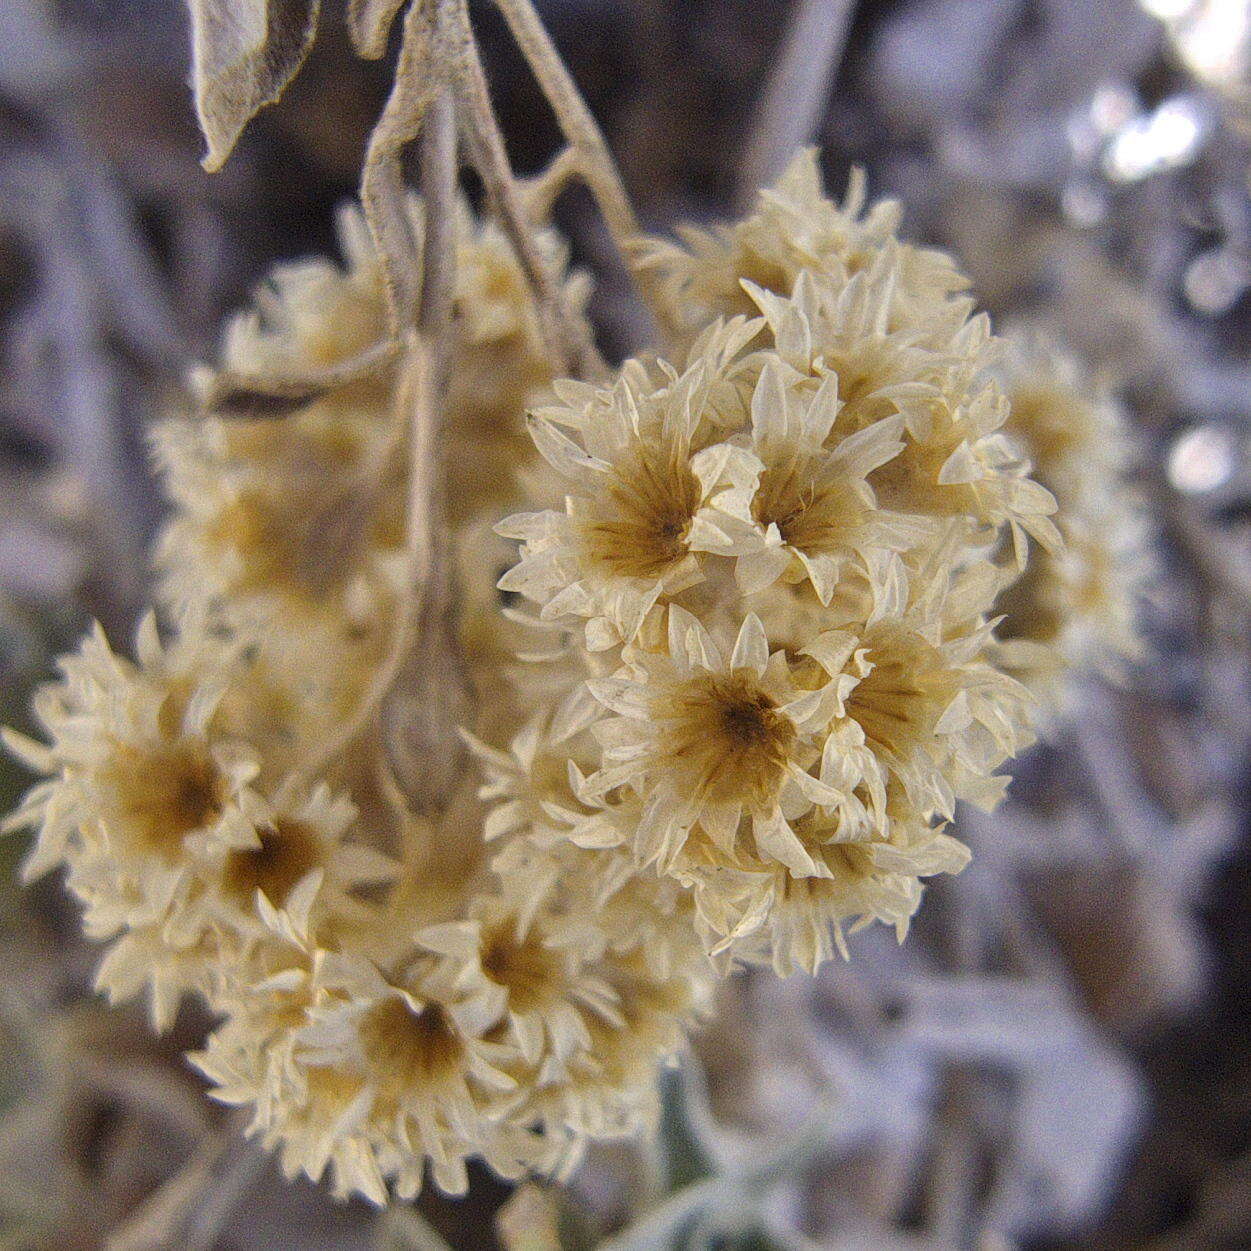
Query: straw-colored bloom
x=873 y=879
x=641 y=476
x=755 y=674
x=1078 y=608
x=793 y=229
x=795 y=597
x=711 y=734
x=134 y=770
x=302 y=521
x=153 y=808
x=314 y=522
x=368 y=1075
x=812 y=509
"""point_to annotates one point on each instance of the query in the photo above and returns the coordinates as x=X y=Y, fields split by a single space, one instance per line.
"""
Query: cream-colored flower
x=609 y=1089
x=302 y=529
x=956 y=465
x=370 y=1076
x=296 y=856
x=935 y=713
x=534 y=967
x=1078 y=608
x=826 y=329
x=641 y=477
x=795 y=228
x=874 y=879
x=135 y=772
x=1070 y=428
x=152 y=806
x=708 y=735
x=812 y=509
x=843 y=297
x=138 y=790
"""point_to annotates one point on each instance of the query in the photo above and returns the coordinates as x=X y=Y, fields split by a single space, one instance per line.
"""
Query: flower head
x=1075 y=608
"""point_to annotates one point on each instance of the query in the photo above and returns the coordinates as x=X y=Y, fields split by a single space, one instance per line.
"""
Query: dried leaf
x=230 y=394
x=369 y=23
x=244 y=53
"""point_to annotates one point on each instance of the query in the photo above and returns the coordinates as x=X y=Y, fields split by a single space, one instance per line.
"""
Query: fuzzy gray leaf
x=244 y=53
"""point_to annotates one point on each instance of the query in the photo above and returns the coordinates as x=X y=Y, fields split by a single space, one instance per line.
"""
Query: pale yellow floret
x=794 y=228
x=1078 y=608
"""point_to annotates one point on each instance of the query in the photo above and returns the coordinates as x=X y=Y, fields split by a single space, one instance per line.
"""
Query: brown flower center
x=411 y=1048
x=527 y=969
x=900 y=701
x=160 y=795
x=812 y=515
x=641 y=524
x=725 y=738
x=288 y=850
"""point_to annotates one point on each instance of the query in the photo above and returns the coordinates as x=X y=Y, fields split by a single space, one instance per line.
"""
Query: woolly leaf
x=244 y=53
x=369 y=22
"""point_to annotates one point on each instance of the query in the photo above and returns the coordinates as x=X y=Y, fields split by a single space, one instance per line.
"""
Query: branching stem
x=419 y=76
x=591 y=155
x=420 y=693
x=429 y=697
x=425 y=603
x=574 y=118
x=566 y=336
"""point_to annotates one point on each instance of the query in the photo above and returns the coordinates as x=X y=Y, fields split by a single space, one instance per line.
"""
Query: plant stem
x=420 y=692
x=274 y=395
x=576 y=123
x=430 y=695
x=438 y=191
x=790 y=105
x=419 y=75
x=567 y=339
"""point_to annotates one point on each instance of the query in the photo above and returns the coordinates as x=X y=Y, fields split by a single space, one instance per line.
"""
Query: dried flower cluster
x=727 y=694
x=774 y=556
x=1075 y=607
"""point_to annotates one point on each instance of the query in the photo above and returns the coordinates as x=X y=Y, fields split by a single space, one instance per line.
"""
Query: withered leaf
x=430 y=698
x=229 y=394
x=244 y=53
x=369 y=22
x=255 y=405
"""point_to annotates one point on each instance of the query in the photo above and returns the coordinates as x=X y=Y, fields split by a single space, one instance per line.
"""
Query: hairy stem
x=566 y=336
x=418 y=79
x=429 y=698
x=438 y=190
x=226 y=393
x=595 y=162
x=419 y=693
x=579 y=127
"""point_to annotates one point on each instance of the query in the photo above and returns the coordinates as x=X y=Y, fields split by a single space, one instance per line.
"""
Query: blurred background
x=1060 y=1056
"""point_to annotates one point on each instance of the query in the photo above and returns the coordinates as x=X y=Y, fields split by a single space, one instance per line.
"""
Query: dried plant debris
x=515 y=722
x=245 y=54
